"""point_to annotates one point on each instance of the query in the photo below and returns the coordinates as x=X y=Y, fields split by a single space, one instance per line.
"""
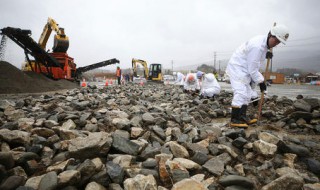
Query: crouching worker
x=191 y=84
x=210 y=86
x=180 y=79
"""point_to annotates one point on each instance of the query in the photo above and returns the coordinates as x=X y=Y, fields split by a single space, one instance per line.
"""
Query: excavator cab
x=155 y=72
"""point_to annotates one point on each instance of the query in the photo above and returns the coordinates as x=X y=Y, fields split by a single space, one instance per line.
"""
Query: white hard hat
x=281 y=32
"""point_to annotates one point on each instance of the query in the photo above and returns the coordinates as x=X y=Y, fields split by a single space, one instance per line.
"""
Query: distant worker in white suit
x=191 y=84
x=210 y=86
x=180 y=79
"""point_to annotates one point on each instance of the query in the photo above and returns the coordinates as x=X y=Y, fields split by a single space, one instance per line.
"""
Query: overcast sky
x=185 y=32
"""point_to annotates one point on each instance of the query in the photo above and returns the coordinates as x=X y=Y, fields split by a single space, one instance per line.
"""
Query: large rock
x=94 y=186
x=264 y=148
x=12 y=182
x=6 y=159
x=237 y=180
x=188 y=184
x=15 y=136
x=302 y=105
x=69 y=177
x=93 y=145
x=124 y=145
x=140 y=182
x=49 y=181
x=286 y=182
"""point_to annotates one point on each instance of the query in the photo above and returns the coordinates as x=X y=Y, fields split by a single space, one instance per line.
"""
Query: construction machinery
x=59 y=52
x=154 y=73
x=57 y=64
x=61 y=40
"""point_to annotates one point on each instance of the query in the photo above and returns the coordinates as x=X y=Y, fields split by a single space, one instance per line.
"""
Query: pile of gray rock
x=155 y=137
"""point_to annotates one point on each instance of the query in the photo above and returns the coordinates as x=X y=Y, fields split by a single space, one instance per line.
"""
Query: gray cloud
x=185 y=31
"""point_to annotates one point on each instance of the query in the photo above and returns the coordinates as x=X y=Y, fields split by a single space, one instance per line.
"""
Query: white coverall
x=191 y=85
x=254 y=93
x=210 y=86
x=243 y=67
x=180 y=79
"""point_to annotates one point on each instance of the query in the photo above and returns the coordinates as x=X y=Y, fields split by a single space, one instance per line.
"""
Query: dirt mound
x=13 y=80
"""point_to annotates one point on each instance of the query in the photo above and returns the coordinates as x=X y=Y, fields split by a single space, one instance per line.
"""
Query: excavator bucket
x=60 y=44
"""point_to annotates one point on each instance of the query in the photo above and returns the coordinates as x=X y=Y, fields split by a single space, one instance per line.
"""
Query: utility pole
x=214 y=60
x=219 y=67
x=172 y=66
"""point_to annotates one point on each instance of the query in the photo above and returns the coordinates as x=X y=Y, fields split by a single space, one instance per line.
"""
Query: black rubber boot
x=244 y=117
x=235 y=118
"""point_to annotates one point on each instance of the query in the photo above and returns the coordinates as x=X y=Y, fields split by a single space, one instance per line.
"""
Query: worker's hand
x=263 y=86
x=269 y=55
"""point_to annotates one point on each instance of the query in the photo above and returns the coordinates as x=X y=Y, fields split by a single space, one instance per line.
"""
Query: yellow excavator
x=59 y=52
x=56 y=64
x=154 y=72
x=61 y=41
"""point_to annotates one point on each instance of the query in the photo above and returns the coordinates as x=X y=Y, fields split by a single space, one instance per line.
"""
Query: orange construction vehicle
x=59 y=52
x=57 y=64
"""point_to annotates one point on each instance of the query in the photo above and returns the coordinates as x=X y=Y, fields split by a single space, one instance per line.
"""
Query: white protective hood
x=210 y=85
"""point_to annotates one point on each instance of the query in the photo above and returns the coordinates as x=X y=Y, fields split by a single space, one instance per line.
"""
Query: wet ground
x=289 y=90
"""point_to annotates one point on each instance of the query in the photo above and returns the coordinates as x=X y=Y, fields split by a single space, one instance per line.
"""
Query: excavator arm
x=135 y=67
x=61 y=41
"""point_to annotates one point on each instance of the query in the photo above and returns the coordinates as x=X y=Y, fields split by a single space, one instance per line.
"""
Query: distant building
x=275 y=78
x=311 y=77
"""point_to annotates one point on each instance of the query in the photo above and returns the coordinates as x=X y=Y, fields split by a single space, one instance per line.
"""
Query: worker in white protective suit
x=210 y=86
x=254 y=94
x=243 y=69
x=191 y=84
x=180 y=79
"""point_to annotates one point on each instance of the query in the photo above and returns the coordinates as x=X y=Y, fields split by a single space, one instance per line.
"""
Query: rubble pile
x=13 y=80
x=155 y=137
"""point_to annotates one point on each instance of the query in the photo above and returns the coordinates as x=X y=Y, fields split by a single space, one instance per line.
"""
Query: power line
x=306 y=44
x=309 y=38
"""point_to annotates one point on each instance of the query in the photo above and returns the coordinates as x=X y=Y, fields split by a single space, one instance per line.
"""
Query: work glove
x=269 y=55
x=263 y=86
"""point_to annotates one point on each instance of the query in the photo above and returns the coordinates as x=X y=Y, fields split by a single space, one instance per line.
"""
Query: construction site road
x=289 y=90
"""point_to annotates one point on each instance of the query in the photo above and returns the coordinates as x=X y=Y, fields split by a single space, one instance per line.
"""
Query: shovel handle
x=265 y=78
